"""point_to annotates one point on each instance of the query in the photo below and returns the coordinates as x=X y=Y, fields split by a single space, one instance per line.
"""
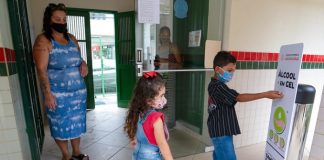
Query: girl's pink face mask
x=160 y=103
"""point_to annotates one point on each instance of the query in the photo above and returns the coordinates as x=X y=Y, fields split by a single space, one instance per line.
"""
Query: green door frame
x=124 y=67
x=89 y=78
x=125 y=57
x=27 y=75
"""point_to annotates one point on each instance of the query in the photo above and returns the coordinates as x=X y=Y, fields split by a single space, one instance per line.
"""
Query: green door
x=125 y=57
x=79 y=25
x=27 y=75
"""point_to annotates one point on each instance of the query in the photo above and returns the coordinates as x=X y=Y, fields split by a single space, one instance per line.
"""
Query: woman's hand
x=83 y=69
x=50 y=101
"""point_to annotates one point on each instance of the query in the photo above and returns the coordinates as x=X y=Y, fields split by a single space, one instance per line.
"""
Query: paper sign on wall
x=280 y=125
x=149 y=11
x=194 y=38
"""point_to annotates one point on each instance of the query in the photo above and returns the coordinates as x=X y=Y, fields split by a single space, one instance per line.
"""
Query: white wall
x=13 y=136
x=5 y=36
x=14 y=144
x=38 y=7
x=263 y=26
x=255 y=25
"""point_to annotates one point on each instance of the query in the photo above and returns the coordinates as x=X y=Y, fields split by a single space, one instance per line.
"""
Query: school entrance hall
x=178 y=79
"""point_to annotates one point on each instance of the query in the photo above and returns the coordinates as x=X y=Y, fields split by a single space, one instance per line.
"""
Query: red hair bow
x=150 y=74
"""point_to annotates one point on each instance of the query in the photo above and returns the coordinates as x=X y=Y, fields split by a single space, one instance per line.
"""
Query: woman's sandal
x=80 y=157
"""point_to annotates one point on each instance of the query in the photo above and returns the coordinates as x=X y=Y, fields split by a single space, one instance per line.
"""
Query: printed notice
x=194 y=38
x=149 y=11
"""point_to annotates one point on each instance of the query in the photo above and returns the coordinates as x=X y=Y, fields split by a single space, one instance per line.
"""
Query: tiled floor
x=253 y=152
x=105 y=139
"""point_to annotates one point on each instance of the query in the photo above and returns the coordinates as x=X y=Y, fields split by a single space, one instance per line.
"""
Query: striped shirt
x=222 y=118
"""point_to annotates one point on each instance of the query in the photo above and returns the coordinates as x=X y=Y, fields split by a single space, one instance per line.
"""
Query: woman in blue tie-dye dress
x=61 y=70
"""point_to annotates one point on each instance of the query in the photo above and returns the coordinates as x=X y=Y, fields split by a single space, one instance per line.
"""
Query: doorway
x=124 y=50
x=95 y=32
x=103 y=53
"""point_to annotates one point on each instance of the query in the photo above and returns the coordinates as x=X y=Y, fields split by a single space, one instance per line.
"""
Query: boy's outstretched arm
x=246 y=97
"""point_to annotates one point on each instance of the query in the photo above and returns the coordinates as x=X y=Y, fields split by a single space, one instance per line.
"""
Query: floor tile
x=182 y=144
x=123 y=154
x=115 y=139
x=106 y=140
x=98 y=151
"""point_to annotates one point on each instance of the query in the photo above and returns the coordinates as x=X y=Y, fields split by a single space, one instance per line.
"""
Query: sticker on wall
x=180 y=9
x=194 y=38
x=282 y=143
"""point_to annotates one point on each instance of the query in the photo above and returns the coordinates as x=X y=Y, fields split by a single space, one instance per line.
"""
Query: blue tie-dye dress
x=68 y=120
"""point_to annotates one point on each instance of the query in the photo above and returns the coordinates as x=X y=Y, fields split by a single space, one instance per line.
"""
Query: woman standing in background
x=61 y=72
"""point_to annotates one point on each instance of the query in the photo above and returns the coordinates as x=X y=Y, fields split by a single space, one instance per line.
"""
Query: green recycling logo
x=279 y=119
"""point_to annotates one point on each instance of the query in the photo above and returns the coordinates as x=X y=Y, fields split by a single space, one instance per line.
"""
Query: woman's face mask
x=59 y=27
x=225 y=77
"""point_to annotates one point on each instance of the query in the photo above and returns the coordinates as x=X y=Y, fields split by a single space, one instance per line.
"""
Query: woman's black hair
x=165 y=29
x=48 y=13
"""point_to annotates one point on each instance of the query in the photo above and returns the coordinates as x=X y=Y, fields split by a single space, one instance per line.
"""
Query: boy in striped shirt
x=222 y=120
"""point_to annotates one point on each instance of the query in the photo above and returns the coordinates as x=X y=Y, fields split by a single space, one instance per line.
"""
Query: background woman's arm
x=41 y=52
x=176 y=51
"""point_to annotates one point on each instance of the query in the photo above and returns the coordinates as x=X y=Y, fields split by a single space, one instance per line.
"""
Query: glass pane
x=103 y=54
x=76 y=27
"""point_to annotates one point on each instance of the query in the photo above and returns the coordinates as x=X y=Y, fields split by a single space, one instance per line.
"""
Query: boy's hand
x=273 y=94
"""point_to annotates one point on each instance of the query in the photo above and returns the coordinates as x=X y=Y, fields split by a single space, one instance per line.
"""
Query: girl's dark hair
x=145 y=90
x=223 y=58
x=48 y=13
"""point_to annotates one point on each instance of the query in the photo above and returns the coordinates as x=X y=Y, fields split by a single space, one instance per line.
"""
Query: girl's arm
x=160 y=139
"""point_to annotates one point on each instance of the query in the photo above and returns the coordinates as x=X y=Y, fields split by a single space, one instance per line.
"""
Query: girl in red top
x=144 y=124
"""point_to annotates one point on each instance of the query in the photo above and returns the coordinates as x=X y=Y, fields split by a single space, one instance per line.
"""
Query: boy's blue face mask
x=226 y=77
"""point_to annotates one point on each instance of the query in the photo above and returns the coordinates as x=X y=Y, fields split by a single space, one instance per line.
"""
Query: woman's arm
x=178 y=60
x=175 y=50
x=83 y=66
x=41 y=52
x=160 y=139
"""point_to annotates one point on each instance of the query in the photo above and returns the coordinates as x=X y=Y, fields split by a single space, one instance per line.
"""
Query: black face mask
x=59 y=27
